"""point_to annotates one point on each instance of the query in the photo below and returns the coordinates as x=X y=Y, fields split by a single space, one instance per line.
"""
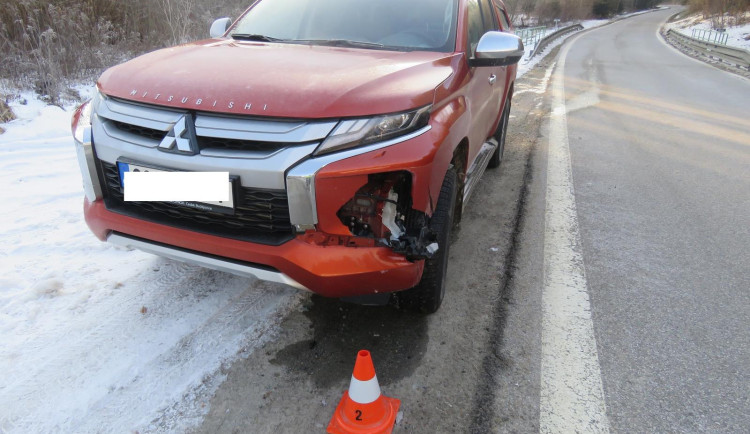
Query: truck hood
x=280 y=80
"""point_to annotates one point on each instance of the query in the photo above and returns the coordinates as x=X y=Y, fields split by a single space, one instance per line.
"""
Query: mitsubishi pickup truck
x=353 y=132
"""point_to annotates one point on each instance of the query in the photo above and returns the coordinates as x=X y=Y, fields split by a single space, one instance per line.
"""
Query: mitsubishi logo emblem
x=181 y=139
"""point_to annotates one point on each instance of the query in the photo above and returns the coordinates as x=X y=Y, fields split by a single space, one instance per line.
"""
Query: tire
x=499 y=135
x=427 y=296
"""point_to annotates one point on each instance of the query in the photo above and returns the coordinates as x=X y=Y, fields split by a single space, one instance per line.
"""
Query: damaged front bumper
x=382 y=210
x=326 y=269
x=301 y=180
x=327 y=256
x=377 y=195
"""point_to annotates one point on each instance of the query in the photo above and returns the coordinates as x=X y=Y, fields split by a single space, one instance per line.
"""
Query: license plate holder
x=223 y=207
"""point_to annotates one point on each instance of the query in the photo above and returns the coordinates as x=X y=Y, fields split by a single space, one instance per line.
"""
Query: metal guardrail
x=542 y=44
x=710 y=36
x=531 y=35
x=736 y=57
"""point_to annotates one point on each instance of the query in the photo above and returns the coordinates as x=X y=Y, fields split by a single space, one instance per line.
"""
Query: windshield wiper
x=339 y=43
x=252 y=37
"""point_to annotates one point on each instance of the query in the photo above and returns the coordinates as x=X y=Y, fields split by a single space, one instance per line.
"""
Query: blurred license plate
x=224 y=207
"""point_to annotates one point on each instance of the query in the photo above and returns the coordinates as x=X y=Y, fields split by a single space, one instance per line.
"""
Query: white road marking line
x=572 y=396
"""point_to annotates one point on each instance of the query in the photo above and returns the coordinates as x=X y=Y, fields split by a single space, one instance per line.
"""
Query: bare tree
x=178 y=18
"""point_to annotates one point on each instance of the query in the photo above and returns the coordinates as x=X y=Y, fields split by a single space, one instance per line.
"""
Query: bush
x=45 y=43
x=601 y=9
x=722 y=12
x=548 y=11
x=6 y=114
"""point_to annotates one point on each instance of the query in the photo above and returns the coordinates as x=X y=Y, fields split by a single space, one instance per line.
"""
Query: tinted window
x=476 y=26
x=488 y=17
x=504 y=23
x=413 y=24
x=481 y=21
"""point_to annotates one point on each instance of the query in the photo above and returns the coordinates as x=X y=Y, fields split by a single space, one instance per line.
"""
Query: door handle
x=493 y=79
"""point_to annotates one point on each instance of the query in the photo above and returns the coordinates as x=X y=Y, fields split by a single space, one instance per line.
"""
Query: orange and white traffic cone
x=363 y=409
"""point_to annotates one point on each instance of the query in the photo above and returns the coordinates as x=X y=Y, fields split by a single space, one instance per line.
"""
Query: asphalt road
x=599 y=281
x=660 y=148
x=448 y=369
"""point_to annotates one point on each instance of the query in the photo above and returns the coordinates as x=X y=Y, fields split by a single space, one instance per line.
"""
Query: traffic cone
x=362 y=408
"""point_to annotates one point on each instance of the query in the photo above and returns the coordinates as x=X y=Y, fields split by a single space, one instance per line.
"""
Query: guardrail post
x=542 y=44
x=735 y=57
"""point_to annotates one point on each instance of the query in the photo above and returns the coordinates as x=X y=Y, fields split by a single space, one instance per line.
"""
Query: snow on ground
x=590 y=24
x=96 y=338
x=527 y=63
x=738 y=36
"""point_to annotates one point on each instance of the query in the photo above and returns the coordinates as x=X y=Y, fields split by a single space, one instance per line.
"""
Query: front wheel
x=502 y=130
x=427 y=296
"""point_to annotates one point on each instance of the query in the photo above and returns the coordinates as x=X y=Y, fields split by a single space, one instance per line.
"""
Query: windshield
x=386 y=24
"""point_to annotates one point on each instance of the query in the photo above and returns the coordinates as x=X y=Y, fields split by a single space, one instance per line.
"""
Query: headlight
x=358 y=132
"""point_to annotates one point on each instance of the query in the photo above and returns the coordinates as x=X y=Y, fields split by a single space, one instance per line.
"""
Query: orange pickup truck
x=353 y=133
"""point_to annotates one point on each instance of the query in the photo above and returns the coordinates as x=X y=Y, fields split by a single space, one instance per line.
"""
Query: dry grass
x=6 y=114
x=48 y=43
x=723 y=13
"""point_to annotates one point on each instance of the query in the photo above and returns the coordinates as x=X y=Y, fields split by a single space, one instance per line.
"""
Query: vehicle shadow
x=396 y=338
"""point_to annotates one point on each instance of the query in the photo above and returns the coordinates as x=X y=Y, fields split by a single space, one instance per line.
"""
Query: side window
x=504 y=23
x=488 y=17
x=475 y=25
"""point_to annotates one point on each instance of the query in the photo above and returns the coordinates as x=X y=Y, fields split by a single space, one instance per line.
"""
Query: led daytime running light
x=351 y=133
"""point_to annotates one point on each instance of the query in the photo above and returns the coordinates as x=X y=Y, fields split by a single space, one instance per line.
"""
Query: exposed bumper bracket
x=300 y=180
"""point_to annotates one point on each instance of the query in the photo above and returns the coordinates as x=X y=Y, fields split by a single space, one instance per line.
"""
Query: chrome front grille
x=260 y=216
x=146 y=126
x=257 y=152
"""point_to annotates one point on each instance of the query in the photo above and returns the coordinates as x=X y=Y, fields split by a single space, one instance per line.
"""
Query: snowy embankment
x=528 y=63
x=95 y=338
x=737 y=36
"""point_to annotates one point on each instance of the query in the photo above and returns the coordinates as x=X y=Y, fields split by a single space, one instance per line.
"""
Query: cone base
x=342 y=425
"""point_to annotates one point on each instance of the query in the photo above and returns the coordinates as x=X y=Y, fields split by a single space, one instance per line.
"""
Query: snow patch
x=737 y=36
x=590 y=24
x=527 y=62
x=97 y=338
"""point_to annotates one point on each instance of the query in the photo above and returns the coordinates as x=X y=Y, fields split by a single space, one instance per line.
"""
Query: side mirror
x=219 y=27
x=497 y=49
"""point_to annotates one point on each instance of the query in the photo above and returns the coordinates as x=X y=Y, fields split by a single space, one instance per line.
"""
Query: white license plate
x=225 y=207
